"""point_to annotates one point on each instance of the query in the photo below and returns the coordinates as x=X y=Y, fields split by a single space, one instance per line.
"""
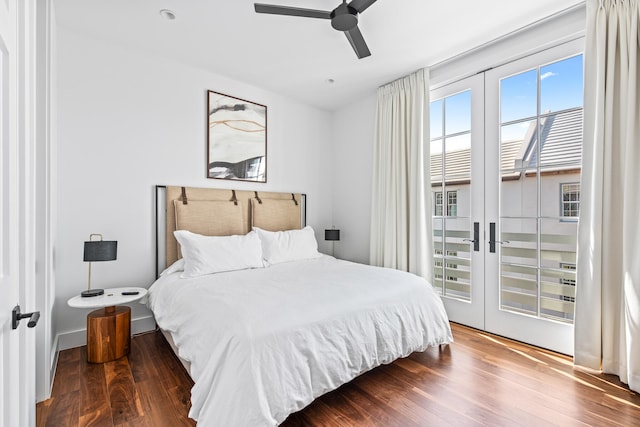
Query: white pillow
x=176 y=266
x=291 y=245
x=215 y=254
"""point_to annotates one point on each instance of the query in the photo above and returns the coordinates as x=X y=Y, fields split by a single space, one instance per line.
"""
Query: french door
x=505 y=158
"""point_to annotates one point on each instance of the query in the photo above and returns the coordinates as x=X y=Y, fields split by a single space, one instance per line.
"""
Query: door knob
x=17 y=316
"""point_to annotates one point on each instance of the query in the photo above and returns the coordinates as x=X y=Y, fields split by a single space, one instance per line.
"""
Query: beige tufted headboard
x=218 y=212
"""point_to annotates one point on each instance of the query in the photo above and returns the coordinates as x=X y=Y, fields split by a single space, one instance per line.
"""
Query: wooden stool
x=108 y=333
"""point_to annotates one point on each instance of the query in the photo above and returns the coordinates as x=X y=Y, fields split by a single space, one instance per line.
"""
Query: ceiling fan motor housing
x=344 y=17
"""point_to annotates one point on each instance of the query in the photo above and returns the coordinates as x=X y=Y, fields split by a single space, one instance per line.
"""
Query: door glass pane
x=521 y=237
x=450 y=185
x=518 y=96
x=519 y=195
x=458 y=113
x=558 y=268
x=518 y=290
x=517 y=142
x=457 y=257
x=458 y=158
x=561 y=146
x=540 y=161
x=561 y=85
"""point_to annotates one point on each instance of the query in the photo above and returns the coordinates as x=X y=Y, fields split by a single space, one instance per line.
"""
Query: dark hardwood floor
x=480 y=379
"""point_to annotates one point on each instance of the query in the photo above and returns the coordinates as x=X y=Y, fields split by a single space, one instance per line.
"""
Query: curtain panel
x=401 y=234
x=607 y=318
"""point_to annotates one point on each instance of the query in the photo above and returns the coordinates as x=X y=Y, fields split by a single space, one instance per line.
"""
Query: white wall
x=353 y=128
x=128 y=121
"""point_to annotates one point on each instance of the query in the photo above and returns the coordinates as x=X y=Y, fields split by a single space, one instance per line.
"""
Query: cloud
x=548 y=74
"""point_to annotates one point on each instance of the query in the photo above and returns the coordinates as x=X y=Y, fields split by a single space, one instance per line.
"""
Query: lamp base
x=92 y=293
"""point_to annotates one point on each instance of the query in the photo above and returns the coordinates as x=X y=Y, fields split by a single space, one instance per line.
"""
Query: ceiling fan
x=343 y=18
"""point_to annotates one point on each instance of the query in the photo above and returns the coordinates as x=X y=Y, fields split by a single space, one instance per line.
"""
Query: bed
x=264 y=341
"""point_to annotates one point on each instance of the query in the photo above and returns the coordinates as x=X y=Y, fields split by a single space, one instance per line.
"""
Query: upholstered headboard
x=217 y=212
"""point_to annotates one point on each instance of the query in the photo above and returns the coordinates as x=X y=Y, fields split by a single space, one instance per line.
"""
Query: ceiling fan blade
x=361 y=5
x=357 y=42
x=292 y=11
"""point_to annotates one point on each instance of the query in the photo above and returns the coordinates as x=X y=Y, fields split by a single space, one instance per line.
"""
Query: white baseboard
x=72 y=339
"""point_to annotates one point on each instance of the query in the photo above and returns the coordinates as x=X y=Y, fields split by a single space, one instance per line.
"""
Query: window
x=437 y=203
x=452 y=203
x=570 y=206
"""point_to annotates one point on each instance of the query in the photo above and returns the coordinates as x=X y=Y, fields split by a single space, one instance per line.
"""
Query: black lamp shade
x=100 y=250
x=332 y=234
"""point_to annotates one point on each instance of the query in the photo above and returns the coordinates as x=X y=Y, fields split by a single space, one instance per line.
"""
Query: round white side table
x=109 y=327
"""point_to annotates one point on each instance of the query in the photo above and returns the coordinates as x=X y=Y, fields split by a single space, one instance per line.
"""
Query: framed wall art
x=236 y=139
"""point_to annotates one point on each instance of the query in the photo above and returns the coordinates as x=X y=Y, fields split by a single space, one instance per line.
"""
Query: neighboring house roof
x=561 y=150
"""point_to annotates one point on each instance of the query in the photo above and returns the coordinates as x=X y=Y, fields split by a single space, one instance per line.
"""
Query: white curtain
x=607 y=318
x=400 y=231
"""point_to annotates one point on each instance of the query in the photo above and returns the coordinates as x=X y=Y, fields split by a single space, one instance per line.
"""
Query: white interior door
x=10 y=340
x=456 y=189
x=17 y=383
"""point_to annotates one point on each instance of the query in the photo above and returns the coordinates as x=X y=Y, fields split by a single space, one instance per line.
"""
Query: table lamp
x=98 y=250
x=332 y=235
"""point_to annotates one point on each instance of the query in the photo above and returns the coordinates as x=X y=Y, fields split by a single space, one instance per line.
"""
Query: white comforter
x=264 y=343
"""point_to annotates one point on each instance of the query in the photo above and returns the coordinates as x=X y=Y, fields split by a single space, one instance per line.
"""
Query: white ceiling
x=295 y=56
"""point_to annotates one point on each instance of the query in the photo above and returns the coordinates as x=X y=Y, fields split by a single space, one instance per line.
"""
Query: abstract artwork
x=237 y=139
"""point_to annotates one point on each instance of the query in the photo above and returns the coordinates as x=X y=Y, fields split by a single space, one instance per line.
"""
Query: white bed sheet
x=264 y=343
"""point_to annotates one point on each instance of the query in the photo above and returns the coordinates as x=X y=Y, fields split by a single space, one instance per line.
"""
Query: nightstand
x=109 y=327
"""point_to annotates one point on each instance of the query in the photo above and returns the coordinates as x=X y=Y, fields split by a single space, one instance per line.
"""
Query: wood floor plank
x=393 y=393
x=383 y=415
x=348 y=409
x=123 y=396
x=64 y=410
x=141 y=361
x=158 y=407
x=481 y=379
x=69 y=367
x=95 y=407
x=319 y=414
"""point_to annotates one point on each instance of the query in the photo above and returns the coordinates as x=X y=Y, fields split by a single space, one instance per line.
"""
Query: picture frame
x=236 y=138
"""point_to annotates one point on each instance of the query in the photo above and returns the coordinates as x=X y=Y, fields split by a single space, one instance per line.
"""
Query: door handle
x=476 y=237
x=492 y=238
x=16 y=316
